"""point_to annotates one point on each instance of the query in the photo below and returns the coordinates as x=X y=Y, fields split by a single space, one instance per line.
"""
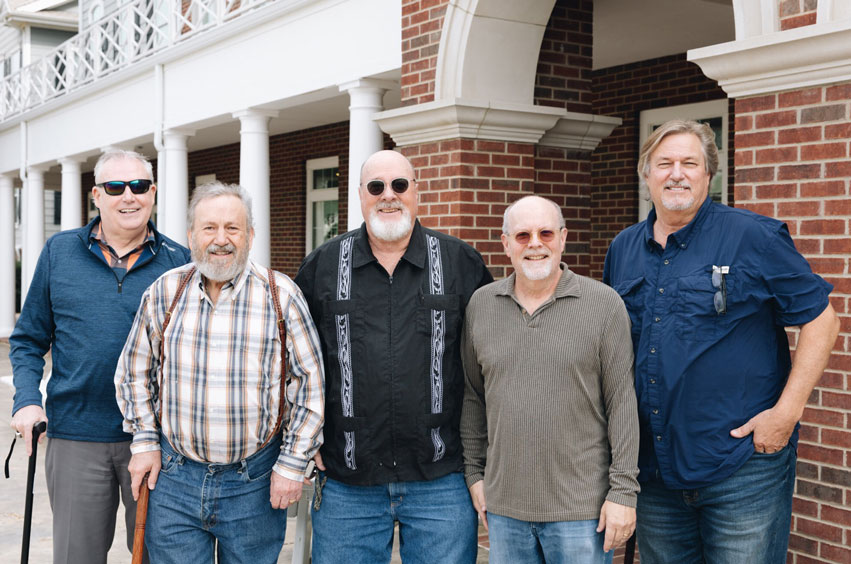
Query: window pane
x=325 y=221
x=326 y=178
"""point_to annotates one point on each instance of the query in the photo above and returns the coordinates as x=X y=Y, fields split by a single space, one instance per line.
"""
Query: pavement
x=12 y=501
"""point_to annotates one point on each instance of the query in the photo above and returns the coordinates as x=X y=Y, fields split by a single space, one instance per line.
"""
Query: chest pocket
x=630 y=293
x=694 y=307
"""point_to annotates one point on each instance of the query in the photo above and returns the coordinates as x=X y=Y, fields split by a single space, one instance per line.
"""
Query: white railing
x=128 y=35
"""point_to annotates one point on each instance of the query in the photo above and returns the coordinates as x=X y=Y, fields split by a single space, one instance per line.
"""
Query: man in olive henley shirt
x=549 y=423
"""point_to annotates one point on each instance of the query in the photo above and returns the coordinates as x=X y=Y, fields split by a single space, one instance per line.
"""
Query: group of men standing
x=562 y=412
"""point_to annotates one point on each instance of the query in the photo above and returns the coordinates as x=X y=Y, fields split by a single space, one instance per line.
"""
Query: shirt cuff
x=145 y=441
x=288 y=473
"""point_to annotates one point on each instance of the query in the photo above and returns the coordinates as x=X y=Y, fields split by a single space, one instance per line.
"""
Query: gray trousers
x=84 y=482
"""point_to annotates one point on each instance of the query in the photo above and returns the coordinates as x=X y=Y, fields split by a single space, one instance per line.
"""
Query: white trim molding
x=473 y=119
x=477 y=119
x=812 y=55
x=578 y=131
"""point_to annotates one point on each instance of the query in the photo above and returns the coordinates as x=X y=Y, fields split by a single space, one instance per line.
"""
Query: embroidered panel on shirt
x=438 y=333
x=344 y=285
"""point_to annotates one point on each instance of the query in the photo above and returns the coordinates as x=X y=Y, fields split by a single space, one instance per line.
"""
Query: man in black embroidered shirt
x=388 y=300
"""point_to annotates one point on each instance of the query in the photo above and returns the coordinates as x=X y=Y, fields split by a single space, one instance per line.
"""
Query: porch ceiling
x=626 y=31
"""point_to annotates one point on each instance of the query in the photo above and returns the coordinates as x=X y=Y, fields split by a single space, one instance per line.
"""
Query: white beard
x=535 y=271
x=390 y=230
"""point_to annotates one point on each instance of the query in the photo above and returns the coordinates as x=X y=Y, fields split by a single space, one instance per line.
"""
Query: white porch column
x=254 y=176
x=366 y=97
x=72 y=208
x=7 y=255
x=33 y=225
x=173 y=190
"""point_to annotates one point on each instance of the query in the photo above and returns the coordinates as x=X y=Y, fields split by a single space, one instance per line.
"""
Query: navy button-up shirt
x=699 y=373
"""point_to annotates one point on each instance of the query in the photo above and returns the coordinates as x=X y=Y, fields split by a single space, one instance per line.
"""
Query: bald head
x=534 y=205
x=383 y=160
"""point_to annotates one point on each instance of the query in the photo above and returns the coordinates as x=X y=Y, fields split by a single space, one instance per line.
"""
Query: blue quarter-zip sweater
x=77 y=306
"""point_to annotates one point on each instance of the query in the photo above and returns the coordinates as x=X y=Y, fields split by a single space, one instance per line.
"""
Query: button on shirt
x=699 y=373
x=222 y=373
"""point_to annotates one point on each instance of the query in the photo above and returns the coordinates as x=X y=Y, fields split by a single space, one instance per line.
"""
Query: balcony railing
x=134 y=32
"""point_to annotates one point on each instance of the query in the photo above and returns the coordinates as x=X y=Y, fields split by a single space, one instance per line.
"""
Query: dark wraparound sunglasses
x=117 y=187
x=376 y=187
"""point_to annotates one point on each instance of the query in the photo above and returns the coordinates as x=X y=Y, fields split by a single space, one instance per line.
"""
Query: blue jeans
x=354 y=524
x=195 y=504
x=744 y=518
x=559 y=542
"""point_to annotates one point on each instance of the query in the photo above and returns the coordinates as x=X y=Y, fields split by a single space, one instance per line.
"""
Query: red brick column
x=465 y=186
x=422 y=21
x=792 y=163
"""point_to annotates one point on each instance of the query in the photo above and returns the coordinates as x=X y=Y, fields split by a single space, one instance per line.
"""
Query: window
x=323 y=180
x=715 y=114
x=57 y=207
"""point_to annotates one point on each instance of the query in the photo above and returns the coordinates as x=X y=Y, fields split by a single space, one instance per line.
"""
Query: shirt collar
x=568 y=284
x=414 y=254
x=683 y=236
x=96 y=234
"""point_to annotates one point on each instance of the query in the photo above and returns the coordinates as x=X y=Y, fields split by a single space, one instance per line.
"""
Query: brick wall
x=563 y=76
x=792 y=153
x=625 y=91
x=796 y=13
x=465 y=186
x=422 y=21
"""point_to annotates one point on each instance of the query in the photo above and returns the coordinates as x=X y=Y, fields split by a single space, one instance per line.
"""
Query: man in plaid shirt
x=202 y=397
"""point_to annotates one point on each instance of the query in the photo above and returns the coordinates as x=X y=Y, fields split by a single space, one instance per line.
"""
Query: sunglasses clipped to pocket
x=398 y=185
x=117 y=187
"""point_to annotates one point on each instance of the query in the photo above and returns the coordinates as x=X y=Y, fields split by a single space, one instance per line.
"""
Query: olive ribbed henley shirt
x=549 y=418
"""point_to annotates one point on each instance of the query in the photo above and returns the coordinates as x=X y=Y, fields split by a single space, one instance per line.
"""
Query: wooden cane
x=38 y=429
x=141 y=519
x=629 y=551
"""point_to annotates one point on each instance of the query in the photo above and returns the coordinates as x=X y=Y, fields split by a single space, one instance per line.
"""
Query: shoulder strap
x=280 y=322
x=180 y=288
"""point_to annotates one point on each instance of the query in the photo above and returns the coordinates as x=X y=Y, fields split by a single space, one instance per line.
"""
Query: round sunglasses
x=398 y=185
x=117 y=187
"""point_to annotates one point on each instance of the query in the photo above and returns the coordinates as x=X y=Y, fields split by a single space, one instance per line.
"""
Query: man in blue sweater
x=81 y=302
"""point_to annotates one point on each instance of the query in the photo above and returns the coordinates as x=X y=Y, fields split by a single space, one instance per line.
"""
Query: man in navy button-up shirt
x=710 y=290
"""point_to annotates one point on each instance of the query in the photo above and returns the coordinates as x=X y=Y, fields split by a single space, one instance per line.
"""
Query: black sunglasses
x=376 y=187
x=117 y=187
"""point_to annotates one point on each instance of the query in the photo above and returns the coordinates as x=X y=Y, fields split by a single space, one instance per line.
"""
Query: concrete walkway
x=41 y=545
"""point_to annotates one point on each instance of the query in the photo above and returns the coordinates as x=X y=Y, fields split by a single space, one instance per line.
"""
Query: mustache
x=389 y=206
x=213 y=248
x=681 y=184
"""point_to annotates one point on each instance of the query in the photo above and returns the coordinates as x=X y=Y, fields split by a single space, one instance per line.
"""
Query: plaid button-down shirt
x=221 y=375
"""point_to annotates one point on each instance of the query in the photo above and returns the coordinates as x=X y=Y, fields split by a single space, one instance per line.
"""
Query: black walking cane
x=38 y=429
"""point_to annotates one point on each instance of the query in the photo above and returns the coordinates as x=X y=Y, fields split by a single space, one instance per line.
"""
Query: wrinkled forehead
x=386 y=165
x=533 y=215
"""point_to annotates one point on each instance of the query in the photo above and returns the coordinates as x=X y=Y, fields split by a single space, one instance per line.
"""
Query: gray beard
x=219 y=273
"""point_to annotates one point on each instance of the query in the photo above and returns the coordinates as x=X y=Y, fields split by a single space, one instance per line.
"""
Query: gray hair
x=215 y=189
x=700 y=130
x=560 y=216
x=120 y=154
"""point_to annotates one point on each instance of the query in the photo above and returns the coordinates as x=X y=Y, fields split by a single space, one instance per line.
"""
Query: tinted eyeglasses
x=544 y=236
x=719 y=282
x=117 y=187
x=398 y=185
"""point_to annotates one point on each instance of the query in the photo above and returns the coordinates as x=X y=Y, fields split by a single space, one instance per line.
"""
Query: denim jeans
x=195 y=504
x=744 y=518
x=532 y=542
x=354 y=524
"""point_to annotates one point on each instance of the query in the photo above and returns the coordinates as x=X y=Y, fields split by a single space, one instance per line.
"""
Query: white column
x=7 y=256
x=33 y=225
x=72 y=208
x=365 y=137
x=173 y=190
x=254 y=176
